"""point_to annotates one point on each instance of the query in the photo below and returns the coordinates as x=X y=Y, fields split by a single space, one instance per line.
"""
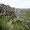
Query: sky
x=17 y=3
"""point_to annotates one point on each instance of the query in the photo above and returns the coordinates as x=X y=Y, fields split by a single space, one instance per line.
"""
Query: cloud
x=17 y=3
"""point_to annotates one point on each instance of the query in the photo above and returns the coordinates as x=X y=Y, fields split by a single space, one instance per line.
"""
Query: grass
x=3 y=23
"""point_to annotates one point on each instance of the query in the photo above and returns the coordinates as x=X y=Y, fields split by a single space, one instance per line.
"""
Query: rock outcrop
x=7 y=10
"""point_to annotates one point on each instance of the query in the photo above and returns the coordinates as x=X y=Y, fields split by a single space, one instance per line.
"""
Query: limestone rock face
x=20 y=12
x=6 y=9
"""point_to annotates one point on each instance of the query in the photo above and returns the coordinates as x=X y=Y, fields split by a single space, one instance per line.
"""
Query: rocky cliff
x=7 y=10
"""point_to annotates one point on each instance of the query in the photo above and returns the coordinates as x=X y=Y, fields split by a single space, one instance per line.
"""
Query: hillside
x=19 y=12
x=14 y=18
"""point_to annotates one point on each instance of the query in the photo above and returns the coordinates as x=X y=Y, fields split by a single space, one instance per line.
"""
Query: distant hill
x=20 y=12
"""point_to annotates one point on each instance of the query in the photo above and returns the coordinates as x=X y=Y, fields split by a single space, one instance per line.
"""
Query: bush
x=20 y=25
